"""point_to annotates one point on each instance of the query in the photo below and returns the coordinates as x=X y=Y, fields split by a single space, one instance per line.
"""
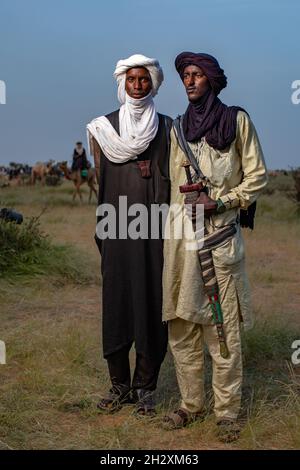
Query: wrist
x=221 y=208
x=230 y=200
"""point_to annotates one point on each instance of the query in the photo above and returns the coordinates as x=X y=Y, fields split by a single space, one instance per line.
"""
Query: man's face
x=195 y=82
x=138 y=82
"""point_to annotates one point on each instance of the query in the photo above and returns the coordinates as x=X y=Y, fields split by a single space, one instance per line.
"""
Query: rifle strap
x=177 y=123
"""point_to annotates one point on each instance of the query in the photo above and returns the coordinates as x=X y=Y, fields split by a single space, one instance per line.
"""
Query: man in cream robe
x=235 y=171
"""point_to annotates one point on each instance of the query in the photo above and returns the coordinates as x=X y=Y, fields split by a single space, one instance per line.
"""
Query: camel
x=78 y=180
x=39 y=171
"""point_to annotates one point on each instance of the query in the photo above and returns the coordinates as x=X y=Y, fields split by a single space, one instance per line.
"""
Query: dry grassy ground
x=52 y=329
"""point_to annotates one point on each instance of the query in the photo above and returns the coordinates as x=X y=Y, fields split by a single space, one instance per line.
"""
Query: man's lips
x=190 y=90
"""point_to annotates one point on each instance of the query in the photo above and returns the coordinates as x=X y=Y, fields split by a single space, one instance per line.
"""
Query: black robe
x=132 y=269
x=80 y=162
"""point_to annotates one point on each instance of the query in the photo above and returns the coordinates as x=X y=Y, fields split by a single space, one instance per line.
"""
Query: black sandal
x=145 y=405
x=117 y=396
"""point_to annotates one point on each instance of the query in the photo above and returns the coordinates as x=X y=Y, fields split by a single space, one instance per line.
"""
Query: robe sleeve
x=253 y=166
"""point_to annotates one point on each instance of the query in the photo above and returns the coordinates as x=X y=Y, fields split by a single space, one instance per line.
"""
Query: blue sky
x=57 y=60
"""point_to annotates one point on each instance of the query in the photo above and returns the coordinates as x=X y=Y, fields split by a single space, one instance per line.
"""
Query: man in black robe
x=80 y=161
x=131 y=151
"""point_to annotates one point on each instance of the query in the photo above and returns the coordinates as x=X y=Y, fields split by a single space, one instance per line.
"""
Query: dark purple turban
x=209 y=66
x=208 y=117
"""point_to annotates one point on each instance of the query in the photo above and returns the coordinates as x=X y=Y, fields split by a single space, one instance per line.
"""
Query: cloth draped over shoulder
x=208 y=117
x=138 y=119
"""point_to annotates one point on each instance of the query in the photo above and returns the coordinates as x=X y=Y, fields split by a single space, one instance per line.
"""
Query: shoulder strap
x=168 y=127
x=177 y=123
x=246 y=218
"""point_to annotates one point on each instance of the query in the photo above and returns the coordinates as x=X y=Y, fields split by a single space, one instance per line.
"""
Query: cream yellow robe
x=237 y=175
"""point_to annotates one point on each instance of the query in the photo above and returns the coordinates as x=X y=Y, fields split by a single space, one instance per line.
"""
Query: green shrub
x=25 y=250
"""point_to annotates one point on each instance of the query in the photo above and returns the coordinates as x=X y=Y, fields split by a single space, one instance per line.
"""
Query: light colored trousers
x=186 y=340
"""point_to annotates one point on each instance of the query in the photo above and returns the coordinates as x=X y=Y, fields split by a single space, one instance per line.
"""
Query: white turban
x=138 y=119
x=138 y=60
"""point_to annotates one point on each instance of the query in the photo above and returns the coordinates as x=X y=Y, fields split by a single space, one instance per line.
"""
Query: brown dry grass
x=55 y=374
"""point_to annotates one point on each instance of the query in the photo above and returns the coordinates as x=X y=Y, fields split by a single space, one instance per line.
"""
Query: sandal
x=179 y=419
x=145 y=405
x=117 y=396
x=228 y=430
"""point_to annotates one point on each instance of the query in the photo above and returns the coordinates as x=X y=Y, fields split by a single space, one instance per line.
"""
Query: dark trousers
x=145 y=374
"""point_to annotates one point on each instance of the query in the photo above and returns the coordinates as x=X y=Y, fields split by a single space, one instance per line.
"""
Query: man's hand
x=211 y=206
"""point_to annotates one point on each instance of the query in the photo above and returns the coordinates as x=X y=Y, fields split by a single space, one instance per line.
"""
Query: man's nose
x=137 y=84
x=190 y=81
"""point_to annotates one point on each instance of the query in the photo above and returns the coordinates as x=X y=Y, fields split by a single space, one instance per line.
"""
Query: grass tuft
x=26 y=251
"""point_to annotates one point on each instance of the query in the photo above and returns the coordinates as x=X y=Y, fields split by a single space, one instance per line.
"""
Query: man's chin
x=193 y=99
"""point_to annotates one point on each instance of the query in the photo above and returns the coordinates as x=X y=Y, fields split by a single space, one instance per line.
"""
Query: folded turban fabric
x=208 y=117
x=208 y=64
x=138 y=119
x=138 y=60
